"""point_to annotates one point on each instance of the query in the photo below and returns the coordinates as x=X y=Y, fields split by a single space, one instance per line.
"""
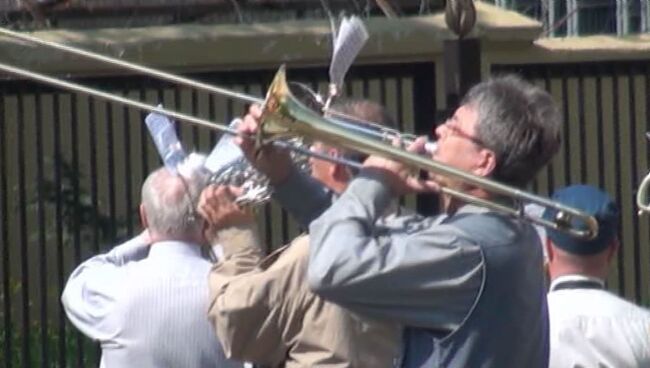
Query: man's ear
x=143 y=217
x=550 y=253
x=339 y=172
x=611 y=251
x=207 y=232
x=487 y=163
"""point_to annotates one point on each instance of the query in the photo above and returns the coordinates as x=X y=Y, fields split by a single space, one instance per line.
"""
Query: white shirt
x=595 y=328
x=146 y=311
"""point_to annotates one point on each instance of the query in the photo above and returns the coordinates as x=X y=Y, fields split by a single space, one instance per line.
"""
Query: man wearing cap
x=589 y=326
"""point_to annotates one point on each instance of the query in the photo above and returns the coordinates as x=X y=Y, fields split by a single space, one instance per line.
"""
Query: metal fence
x=606 y=116
x=71 y=168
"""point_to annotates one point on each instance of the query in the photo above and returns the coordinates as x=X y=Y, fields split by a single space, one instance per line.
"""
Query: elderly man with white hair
x=145 y=301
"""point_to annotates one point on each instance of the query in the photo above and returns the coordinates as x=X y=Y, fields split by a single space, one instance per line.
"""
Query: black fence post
x=462 y=65
x=462 y=59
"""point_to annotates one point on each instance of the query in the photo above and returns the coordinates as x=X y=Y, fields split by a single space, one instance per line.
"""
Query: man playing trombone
x=263 y=310
x=467 y=284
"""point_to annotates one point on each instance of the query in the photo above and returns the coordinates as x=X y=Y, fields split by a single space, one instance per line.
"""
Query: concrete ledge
x=572 y=49
x=241 y=47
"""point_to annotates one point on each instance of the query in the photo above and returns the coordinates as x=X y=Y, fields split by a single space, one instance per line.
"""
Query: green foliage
x=75 y=347
x=79 y=216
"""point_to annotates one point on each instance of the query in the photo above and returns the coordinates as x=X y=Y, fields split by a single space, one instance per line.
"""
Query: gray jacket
x=469 y=286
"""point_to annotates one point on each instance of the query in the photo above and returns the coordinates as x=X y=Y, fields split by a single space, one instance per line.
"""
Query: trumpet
x=284 y=116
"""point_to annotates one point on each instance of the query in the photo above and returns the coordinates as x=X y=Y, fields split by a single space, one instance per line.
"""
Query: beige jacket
x=266 y=314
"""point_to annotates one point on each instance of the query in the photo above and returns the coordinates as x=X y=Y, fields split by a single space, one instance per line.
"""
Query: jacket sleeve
x=93 y=287
x=413 y=271
x=249 y=311
x=303 y=197
x=237 y=307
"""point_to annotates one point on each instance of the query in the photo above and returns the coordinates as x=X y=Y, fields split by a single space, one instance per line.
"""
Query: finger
x=418 y=145
x=208 y=213
x=223 y=196
x=248 y=124
x=397 y=141
x=255 y=110
x=418 y=185
x=374 y=161
x=236 y=191
x=206 y=195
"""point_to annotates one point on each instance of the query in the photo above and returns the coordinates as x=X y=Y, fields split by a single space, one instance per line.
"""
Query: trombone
x=642 y=196
x=642 y=193
x=285 y=116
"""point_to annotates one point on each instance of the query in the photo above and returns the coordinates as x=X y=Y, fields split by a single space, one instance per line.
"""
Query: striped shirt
x=146 y=310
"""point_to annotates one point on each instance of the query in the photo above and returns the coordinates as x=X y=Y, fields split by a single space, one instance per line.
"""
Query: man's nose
x=440 y=130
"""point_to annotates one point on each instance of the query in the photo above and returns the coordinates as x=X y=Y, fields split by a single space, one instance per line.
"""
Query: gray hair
x=519 y=122
x=366 y=110
x=170 y=200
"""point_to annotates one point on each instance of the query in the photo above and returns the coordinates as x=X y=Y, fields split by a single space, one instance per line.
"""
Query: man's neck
x=452 y=204
x=572 y=272
x=157 y=238
x=576 y=281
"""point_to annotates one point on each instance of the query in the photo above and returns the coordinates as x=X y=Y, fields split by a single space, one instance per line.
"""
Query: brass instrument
x=642 y=200
x=284 y=117
x=642 y=196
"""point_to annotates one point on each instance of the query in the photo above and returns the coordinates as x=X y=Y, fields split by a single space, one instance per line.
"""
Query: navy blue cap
x=592 y=201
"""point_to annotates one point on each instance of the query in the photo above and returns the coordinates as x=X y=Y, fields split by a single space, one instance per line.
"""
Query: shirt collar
x=575 y=277
x=173 y=248
x=472 y=208
x=466 y=208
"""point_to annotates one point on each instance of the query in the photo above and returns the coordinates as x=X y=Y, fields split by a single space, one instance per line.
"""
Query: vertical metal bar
x=58 y=162
x=634 y=179
x=546 y=74
x=582 y=124
x=622 y=17
x=213 y=115
x=645 y=16
x=22 y=215
x=110 y=154
x=572 y=18
x=77 y=220
x=424 y=95
x=617 y=177
x=550 y=19
x=92 y=131
x=567 y=130
x=195 y=109
x=600 y=127
x=400 y=108
x=94 y=194
x=530 y=74
x=127 y=171
x=41 y=232
x=6 y=286
x=646 y=75
x=177 y=106
x=144 y=152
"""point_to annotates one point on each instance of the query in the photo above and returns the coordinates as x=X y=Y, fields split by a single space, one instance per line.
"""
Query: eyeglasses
x=454 y=130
